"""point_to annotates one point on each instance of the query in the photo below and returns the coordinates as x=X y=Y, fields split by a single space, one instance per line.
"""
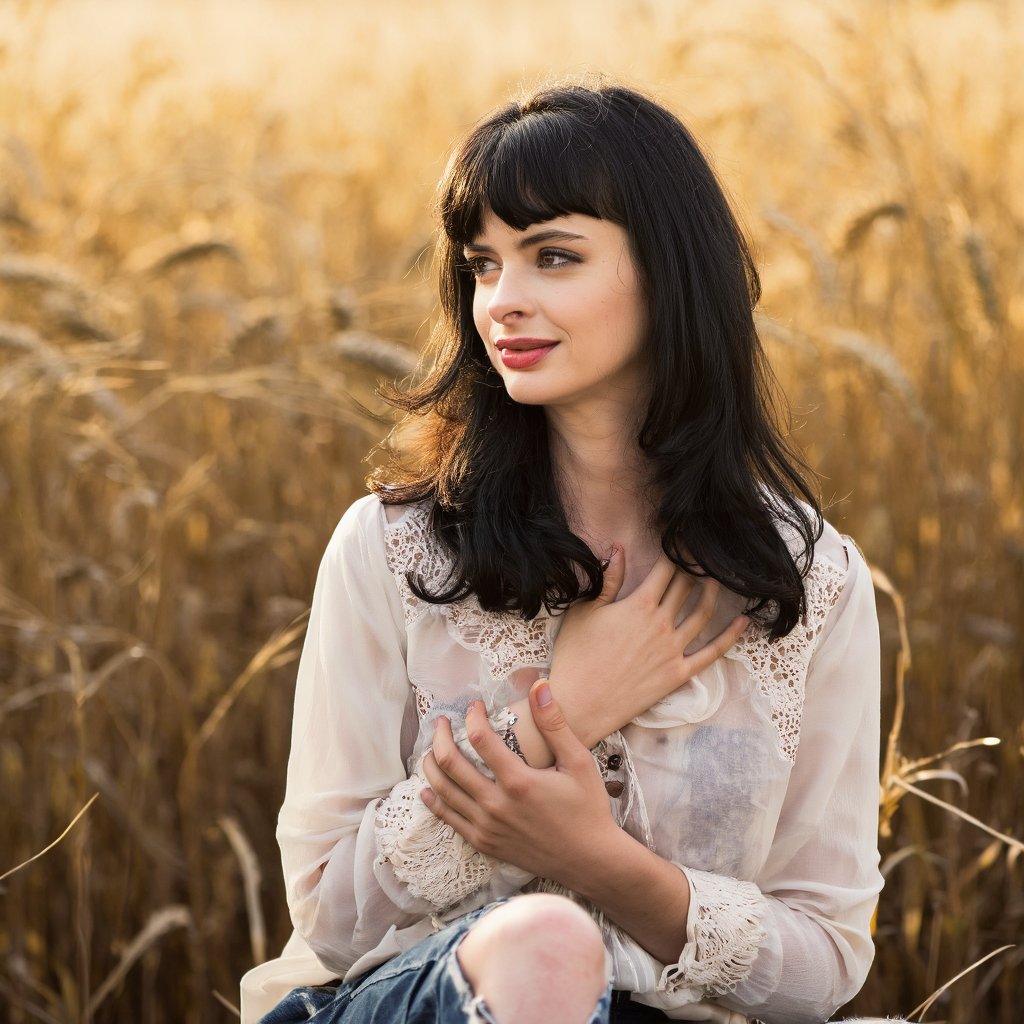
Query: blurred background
x=215 y=240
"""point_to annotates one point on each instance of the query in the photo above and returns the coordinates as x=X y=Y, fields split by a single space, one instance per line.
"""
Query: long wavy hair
x=729 y=496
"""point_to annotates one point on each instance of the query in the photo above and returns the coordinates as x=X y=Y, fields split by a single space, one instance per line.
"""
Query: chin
x=530 y=392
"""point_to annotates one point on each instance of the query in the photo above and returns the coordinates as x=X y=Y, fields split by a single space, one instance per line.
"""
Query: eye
x=552 y=259
x=478 y=266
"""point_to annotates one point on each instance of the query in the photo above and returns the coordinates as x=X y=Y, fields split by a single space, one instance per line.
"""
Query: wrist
x=585 y=712
x=604 y=869
x=532 y=746
x=644 y=894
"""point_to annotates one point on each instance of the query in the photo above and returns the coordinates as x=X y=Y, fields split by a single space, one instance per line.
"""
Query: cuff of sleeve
x=724 y=931
x=426 y=855
x=433 y=861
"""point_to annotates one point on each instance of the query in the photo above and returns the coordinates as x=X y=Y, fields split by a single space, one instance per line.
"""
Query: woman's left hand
x=549 y=821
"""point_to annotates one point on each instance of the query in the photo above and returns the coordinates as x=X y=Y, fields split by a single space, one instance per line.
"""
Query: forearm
x=646 y=896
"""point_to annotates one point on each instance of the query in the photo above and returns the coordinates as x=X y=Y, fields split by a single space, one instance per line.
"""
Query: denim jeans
x=423 y=985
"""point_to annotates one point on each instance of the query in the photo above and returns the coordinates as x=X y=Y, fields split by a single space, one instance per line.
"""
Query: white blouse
x=759 y=778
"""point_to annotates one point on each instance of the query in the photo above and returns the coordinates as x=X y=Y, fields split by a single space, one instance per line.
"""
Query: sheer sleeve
x=794 y=944
x=351 y=700
x=361 y=852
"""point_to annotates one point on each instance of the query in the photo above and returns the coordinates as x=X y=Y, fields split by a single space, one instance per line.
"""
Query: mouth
x=523 y=344
x=520 y=353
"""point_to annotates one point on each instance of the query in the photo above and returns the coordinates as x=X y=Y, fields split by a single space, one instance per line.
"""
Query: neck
x=601 y=474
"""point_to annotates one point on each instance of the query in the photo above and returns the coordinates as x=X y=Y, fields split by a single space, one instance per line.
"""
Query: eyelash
x=479 y=265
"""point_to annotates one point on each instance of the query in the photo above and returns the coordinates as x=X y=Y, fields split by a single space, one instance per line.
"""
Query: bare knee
x=539 y=934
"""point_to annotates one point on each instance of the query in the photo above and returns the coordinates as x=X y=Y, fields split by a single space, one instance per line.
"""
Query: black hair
x=727 y=491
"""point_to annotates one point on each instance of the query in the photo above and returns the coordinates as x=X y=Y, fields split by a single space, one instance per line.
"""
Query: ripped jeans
x=423 y=985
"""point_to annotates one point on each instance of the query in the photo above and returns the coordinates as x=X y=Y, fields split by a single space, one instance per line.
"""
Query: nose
x=510 y=297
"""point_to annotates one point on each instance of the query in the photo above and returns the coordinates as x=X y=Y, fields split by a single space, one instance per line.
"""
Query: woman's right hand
x=615 y=659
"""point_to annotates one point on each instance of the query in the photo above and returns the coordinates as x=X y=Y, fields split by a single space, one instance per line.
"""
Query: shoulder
x=393 y=541
x=839 y=604
x=841 y=589
x=353 y=578
x=833 y=564
x=362 y=537
x=362 y=519
x=838 y=578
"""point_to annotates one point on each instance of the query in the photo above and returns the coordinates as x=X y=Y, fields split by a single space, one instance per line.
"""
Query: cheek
x=625 y=319
x=481 y=320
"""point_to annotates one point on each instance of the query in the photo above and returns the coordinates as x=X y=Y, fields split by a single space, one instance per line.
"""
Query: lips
x=519 y=353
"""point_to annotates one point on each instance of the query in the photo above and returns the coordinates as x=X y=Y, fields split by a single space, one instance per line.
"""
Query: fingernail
x=543 y=695
x=427 y=796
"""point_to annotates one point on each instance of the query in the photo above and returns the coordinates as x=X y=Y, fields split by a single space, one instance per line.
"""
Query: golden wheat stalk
x=390 y=357
x=249 y=862
x=24 y=270
x=857 y=230
x=159 y=924
x=169 y=251
x=824 y=265
x=278 y=650
x=902 y=783
x=903 y=661
x=71 y=824
x=924 y=1007
x=881 y=359
x=226 y=1003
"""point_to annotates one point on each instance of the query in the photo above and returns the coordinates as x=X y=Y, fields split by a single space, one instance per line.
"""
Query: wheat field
x=215 y=240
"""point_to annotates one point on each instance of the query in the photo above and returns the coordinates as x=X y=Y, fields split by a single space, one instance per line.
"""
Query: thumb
x=614 y=574
x=553 y=725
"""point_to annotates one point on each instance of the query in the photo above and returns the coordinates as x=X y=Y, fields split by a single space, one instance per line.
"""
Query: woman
x=496 y=805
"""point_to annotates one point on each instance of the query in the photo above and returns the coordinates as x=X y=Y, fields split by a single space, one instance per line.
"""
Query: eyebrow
x=551 y=235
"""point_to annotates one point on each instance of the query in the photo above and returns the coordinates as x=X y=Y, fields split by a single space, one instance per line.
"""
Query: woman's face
x=560 y=310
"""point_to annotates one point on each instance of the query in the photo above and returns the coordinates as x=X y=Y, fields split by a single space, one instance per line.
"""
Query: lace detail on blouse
x=412 y=548
x=424 y=702
x=506 y=641
x=779 y=667
x=430 y=857
x=727 y=932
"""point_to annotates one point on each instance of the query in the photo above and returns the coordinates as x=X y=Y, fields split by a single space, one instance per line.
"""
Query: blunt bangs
x=528 y=167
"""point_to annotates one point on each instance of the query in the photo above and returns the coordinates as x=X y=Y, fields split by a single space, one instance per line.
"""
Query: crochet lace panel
x=506 y=641
x=727 y=930
x=779 y=667
x=431 y=858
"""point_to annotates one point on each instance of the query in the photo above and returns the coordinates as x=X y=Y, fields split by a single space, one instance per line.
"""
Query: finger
x=678 y=592
x=454 y=764
x=656 y=582
x=701 y=614
x=445 y=790
x=488 y=744
x=714 y=649
x=446 y=813
x=564 y=744
x=614 y=574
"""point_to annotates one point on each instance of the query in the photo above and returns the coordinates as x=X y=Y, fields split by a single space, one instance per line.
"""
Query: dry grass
x=199 y=285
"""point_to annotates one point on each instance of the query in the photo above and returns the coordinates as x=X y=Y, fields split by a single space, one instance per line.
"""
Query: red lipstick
x=519 y=353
